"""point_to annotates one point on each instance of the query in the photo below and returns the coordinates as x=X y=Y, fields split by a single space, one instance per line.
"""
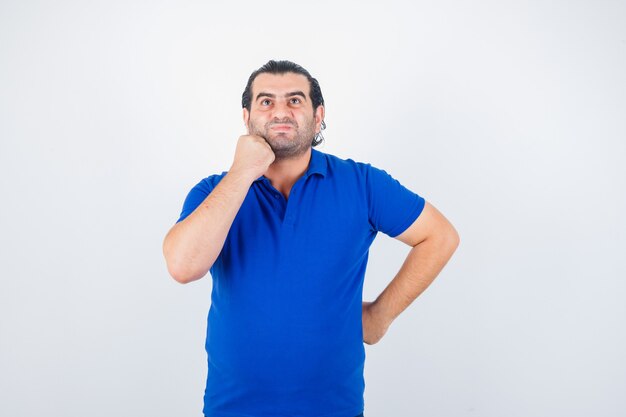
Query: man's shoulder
x=210 y=182
x=342 y=164
x=354 y=169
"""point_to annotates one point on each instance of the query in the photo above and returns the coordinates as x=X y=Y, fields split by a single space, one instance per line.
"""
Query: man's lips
x=281 y=127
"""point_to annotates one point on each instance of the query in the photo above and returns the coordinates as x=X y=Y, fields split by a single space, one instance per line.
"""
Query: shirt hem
x=352 y=412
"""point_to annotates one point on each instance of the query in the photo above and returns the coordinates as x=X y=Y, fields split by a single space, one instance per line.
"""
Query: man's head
x=283 y=103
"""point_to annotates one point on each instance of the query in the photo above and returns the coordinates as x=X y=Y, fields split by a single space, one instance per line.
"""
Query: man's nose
x=281 y=110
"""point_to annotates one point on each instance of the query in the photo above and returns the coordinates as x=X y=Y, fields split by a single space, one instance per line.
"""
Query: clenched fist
x=253 y=156
x=374 y=325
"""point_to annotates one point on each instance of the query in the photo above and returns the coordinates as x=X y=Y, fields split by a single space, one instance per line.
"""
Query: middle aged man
x=285 y=233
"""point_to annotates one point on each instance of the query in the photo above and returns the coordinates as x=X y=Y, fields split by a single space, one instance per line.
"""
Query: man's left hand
x=374 y=326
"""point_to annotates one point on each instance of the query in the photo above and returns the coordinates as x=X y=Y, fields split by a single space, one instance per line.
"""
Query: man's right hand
x=253 y=156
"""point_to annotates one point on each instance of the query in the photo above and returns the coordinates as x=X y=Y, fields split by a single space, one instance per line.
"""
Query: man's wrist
x=242 y=176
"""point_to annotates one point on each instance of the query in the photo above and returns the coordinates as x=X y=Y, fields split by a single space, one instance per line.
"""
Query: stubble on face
x=286 y=144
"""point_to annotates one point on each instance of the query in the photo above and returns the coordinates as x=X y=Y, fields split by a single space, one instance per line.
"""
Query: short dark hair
x=282 y=67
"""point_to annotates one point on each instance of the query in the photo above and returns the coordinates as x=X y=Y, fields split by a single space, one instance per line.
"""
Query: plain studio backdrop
x=510 y=117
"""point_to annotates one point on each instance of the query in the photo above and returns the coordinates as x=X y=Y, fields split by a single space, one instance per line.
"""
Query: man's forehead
x=280 y=83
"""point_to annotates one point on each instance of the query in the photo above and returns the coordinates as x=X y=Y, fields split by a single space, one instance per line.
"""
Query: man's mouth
x=281 y=126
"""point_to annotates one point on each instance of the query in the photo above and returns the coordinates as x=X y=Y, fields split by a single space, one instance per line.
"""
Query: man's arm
x=434 y=240
x=193 y=244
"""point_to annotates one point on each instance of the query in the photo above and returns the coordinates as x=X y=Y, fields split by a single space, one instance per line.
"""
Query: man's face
x=281 y=112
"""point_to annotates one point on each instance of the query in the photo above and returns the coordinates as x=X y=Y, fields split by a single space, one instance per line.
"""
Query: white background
x=510 y=117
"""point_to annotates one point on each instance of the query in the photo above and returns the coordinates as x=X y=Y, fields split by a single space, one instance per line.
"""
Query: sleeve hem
x=415 y=213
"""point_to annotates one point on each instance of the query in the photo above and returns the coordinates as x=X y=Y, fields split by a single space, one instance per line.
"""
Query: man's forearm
x=418 y=271
x=192 y=245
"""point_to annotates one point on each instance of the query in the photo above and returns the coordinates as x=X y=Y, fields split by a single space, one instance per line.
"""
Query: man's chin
x=281 y=141
x=281 y=136
x=287 y=152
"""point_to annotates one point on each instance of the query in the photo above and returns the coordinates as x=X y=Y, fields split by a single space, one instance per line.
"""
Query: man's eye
x=265 y=102
x=295 y=100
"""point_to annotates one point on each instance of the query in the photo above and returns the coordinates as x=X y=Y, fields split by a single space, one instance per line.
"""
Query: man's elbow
x=445 y=239
x=451 y=239
x=177 y=266
x=183 y=276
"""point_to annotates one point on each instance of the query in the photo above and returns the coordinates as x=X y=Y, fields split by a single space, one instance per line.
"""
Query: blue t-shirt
x=284 y=334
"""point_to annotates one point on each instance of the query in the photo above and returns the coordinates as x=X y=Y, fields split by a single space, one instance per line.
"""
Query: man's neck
x=284 y=173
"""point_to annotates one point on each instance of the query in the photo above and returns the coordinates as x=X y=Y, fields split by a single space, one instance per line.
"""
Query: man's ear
x=246 y=118
x=319 y=117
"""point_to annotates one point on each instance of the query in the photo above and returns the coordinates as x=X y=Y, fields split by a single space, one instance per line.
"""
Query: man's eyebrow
x=296 y=93
x=293 y=93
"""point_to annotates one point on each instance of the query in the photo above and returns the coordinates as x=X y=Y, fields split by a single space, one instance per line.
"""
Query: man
x=285 y=233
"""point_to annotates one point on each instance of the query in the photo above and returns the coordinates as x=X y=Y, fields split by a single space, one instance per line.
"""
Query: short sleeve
x=198 y=194
x=392 y=207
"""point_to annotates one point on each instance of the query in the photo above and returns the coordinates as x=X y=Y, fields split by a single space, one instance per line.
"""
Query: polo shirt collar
x=317 y=165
